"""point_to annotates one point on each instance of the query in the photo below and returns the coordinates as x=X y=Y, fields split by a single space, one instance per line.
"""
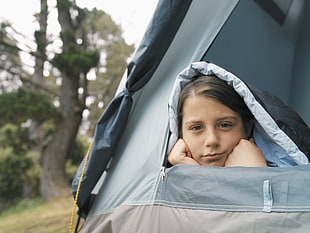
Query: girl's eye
x=225 y=125
x=195 y=127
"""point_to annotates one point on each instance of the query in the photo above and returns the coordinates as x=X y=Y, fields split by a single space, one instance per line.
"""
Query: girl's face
x=210 y=129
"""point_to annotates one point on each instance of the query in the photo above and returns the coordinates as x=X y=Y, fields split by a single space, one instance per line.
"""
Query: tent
x=125 y=187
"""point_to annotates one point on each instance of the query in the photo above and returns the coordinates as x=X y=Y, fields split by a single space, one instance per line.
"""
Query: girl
x=215 y=127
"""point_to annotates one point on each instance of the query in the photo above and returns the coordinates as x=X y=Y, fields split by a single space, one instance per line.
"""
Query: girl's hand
x=246 y=154
x=180 y=154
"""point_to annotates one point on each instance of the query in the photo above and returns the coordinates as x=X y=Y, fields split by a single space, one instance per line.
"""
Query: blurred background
x=60 y=64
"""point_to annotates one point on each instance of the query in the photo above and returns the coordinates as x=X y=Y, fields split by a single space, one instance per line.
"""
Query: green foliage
x=32 y=176
x=10 y=63
x=78 y=150
x=81 y=17
x=67 y=35
x=12 y=170
x=100 y=23
x=18 y=106
x=105 y=35
x=76 y=61
x=18 y=168
x=93 y=33
x=7 y=41
x=76 y=156
x=16 y=138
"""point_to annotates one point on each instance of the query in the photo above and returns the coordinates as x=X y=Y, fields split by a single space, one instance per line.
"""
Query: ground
x=51 y=217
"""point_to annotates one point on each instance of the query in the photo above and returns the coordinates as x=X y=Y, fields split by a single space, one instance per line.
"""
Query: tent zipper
x=163 y=172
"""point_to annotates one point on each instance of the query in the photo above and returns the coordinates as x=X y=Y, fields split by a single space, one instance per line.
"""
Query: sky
x=133 y=15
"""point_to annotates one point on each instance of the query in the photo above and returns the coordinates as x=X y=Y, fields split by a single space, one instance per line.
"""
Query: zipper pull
x=163 y=172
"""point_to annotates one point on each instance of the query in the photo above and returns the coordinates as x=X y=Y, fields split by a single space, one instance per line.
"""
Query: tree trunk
x=53 y=180
x=35 y=132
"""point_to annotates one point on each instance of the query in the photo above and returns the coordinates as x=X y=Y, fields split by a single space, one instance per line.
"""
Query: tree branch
x=23 y=78
x=40 y=86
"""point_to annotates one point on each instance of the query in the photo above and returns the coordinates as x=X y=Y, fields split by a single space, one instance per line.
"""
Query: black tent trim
x=273 y=9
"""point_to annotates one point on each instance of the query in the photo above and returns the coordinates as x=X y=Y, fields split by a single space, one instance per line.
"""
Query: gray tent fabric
x=165 y=219
x=227 y=199
x=225 y=189
x=137 y=193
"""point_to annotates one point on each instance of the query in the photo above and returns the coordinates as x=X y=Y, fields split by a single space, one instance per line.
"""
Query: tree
x=80 y=53
x=10 y=63
x=73 y=63
x=18 y=171
x=91 y=41
x=14 y=164
x=36 y=133
x=105 y=36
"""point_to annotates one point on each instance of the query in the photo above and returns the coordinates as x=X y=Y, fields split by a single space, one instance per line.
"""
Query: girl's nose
x=211 y=138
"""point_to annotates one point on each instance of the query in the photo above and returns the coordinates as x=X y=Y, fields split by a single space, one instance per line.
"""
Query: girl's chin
x=213 y=164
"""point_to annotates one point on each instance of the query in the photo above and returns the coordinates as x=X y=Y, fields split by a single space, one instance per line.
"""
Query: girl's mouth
x=214 y=156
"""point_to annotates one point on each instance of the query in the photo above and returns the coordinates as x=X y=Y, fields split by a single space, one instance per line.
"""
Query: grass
x=50 y=217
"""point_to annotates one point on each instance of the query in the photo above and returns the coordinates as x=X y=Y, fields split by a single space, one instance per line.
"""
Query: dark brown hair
x=215 y=88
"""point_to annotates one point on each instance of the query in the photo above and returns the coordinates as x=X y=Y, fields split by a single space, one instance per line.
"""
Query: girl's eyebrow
x=228 y=118
x=219 y=119
x=192 y=122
